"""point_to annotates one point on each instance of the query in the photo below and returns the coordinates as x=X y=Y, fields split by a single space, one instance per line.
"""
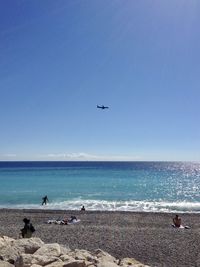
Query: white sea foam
x=103 y=205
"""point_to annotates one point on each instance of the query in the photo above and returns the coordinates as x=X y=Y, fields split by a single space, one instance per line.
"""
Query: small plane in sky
x=102 y=107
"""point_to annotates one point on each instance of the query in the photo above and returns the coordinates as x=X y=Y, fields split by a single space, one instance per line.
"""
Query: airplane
x=102 y=107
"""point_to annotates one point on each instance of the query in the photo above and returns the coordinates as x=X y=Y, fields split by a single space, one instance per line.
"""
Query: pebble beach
x=147 y=237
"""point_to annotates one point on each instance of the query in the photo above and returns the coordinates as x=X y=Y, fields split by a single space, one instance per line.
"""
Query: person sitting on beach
x=177 y=221
x=83 y=208
x=28 y=229
x=45 y=199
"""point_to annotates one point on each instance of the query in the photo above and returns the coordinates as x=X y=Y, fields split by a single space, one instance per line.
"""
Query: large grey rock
x=128 y=262
x=27 y=260
x=15 y=248
x=44 y=260
x=75 y=263
x=5 y=264
x=24 y=260
x=28 y=245
x=5 y=241
x=100 y=254
x=66 y=257
x=65 y=250
x=104 y=259
x=55 y=264
x=104 y=263
x=9 y=253
x=49 y=249
x=81 y=254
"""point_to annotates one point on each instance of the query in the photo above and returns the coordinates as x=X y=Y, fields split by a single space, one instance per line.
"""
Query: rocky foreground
x=33 y=252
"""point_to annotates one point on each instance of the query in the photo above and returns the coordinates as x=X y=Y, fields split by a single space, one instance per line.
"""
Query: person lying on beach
x=64 y=221
x=28 y=229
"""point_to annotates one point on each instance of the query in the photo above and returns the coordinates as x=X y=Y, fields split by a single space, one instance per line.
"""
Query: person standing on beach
x=45 y=200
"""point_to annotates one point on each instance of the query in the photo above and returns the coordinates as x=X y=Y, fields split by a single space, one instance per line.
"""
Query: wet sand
x=147 y=237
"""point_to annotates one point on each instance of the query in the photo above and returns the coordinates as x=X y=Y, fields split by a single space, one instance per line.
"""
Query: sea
x=104 y=186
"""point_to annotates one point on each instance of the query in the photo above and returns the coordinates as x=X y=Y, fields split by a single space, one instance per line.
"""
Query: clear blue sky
x=59 y=59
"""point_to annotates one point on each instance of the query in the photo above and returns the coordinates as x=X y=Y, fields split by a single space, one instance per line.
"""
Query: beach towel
x=74 y=221
x=61 y=222
x=181 y=227
x=56 y=222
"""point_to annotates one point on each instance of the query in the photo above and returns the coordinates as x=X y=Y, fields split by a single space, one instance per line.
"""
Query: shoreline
x=145 y=236
x=49 y=208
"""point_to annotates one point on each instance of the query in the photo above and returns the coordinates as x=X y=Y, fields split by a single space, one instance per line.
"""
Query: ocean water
x=124 y=186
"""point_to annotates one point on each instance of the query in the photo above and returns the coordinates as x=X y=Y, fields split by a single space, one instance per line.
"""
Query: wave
x=103 y=205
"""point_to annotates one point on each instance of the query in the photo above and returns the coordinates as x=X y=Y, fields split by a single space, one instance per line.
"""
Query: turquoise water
x=130 y=186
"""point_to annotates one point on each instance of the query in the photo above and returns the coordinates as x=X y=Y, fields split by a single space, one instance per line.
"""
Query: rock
x=104 y=263
x=49 y=249
x=64 y=250
x=9 y=253
x=55 y=264
x=5 y=264
x=5 y=241
x=66 y=258
x=26 y=260
x=81 y=254
x=15 y=248
x=28 y=245
x=102 y=254
x=128 y=262
x=104 y=259
x=33 y=252
x=75 y=263
x=45 y=259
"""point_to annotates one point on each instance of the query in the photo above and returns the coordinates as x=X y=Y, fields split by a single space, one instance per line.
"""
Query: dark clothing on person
x=83 y=208
x=45 y=199
x=28 y=229
x=72 y=219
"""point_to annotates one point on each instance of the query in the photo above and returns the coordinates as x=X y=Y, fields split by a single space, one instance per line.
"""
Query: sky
x=60 y=59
